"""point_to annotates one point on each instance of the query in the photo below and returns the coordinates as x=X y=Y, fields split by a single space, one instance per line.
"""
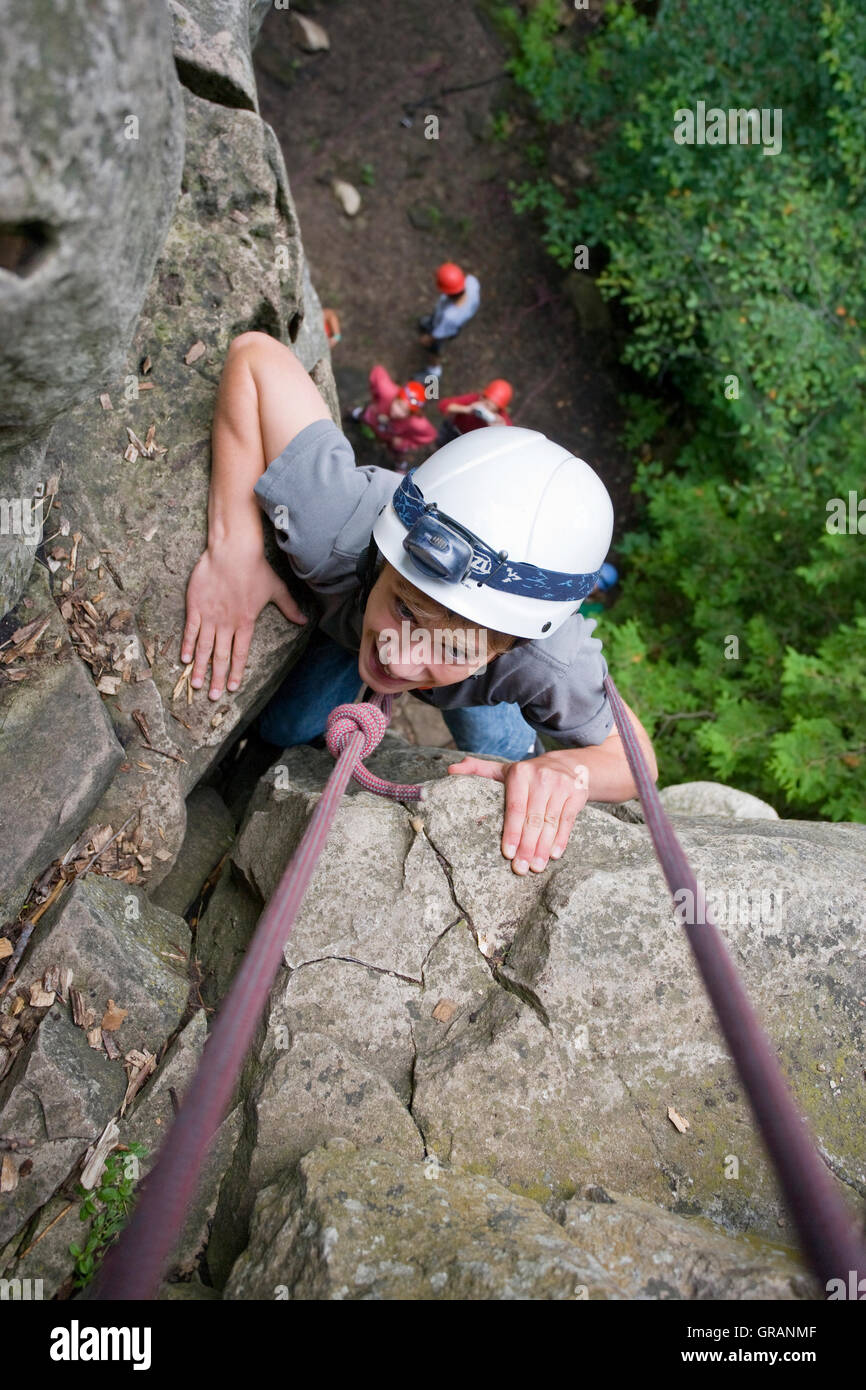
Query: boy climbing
x=459 y=298
x=475 y=410
x=496 y=538
x=394 y=414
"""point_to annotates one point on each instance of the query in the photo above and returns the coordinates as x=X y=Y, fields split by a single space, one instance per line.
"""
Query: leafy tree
x=739 y=634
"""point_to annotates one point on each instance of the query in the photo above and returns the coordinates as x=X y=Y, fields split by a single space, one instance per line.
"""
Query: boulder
x=210 y=832
x=368 y=1224
x=714 y=799
x=537 y=1030
x=213 y=49
x=91 y=149
x=60 y=1093
x=48 y=795
x=355 y=1223
x=118 y=946
x=653 y=1254
x=23 y=509
x=42 y=1251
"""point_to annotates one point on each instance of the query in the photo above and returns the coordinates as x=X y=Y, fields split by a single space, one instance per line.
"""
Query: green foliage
x=108 y=1208
x=368 y=174
x=739 y=634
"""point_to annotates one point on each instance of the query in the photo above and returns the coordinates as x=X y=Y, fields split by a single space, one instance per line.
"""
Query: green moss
x=537 y=1191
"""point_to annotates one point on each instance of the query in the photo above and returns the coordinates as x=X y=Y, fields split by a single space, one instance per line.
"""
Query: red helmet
x=413 y=394
x=450 y=278
x=499 y=391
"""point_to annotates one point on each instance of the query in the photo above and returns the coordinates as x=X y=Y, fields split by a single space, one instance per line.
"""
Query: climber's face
x=399 y=409
x=410 y=642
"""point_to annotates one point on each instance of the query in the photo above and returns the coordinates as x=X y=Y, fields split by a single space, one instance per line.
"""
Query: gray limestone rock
x=58 y=751
x=91 y=148
x=360 y=1224
x=714 y=799
x=210 y=832
x=121 y=947
x=60 y=1092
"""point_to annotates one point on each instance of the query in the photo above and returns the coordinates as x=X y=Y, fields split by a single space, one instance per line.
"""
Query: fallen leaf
x=445 y=1010
x=105 y=401
x=8 y=1174
x=113 y=1017
x=94 y=1159
x=108 y=685
x=197 y=350
x=677 y=1120
x=40 y=998
x=184 y=677
x=5 y=947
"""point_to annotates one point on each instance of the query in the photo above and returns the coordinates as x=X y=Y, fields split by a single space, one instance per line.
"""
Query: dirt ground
x=358 y=112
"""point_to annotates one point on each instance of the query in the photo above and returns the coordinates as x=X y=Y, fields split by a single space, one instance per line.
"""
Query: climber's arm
x=265 y=398
x=544 y=795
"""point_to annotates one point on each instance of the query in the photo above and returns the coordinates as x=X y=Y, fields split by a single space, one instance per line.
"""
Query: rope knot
x=346 y=720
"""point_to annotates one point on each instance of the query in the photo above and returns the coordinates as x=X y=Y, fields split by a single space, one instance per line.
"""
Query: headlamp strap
x=492 y=567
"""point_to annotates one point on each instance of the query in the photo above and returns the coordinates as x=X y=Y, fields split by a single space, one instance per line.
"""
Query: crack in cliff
x=377 y=969
x=211 y=86
x=835 y=1168
x=522 y=992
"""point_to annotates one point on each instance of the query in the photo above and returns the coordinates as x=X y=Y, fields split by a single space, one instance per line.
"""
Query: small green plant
x=107 y=1207
x=500 y=126
x=368 y=175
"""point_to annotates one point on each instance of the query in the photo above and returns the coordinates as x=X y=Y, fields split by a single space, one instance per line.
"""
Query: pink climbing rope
x=827 y=1235
x=133 y=1267
x=342 y=724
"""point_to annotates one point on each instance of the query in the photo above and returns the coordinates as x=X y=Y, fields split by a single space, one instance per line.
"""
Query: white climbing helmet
x=502 y=526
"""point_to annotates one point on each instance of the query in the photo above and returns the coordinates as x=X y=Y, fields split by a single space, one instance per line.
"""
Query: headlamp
x=443 y=549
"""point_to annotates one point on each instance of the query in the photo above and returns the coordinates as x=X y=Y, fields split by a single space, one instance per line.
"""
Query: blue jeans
x=327 y=675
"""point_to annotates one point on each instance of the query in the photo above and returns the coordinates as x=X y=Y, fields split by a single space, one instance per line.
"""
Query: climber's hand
x=227 y=591
x=543 y=797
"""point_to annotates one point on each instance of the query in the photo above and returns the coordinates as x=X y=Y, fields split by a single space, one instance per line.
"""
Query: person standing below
x=458 y=302
x=475 y=410
x=394 y=416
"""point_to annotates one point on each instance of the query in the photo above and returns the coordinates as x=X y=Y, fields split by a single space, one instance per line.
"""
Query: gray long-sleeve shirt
x=323 y=508
x=448 y=317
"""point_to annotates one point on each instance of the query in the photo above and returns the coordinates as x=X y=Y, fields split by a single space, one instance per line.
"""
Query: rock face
x=535 y=1031
x=366 y=1224
x=216 y=253
x=61 y=1090
x=91 y=147
x=369 y=1225
x=48 y=798
x=146 y=221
